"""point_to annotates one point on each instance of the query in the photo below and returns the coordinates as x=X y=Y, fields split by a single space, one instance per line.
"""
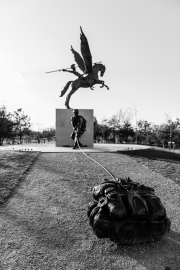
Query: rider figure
x=73 y=71
x=80 y=76
x=78 y=123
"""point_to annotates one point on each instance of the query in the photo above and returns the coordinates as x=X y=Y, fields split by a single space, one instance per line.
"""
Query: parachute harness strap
x=97 y=162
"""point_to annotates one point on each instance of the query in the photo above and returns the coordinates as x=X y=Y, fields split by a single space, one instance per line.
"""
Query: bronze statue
x=78 y=123
x=90 y=71
x=127 y=212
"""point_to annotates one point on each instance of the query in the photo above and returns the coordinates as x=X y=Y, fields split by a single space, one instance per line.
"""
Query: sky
x=137 y=40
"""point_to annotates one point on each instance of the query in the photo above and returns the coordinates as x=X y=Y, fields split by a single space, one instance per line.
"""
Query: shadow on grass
x=153 y=154
x=164 y=254
x=60 y=231
x=65 y=235
x=14 y=168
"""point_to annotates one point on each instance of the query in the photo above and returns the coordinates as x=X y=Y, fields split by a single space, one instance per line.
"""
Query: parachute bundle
x=127 y=212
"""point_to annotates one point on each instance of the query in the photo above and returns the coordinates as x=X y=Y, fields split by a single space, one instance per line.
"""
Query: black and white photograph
x=90 y=135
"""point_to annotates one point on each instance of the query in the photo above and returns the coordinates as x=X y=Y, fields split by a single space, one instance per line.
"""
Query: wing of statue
x=79 y=60
x=86 y=52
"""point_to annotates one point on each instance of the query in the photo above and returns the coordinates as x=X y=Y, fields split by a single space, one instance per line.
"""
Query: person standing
x=78 y=123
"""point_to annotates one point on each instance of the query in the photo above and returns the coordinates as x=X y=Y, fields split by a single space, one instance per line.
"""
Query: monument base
x=64 y=128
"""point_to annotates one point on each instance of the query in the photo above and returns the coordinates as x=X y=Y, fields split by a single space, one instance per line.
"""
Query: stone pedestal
x=64 y=128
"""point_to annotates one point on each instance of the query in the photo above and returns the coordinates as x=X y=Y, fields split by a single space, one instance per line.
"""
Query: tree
x=113 y=124
x=163 y=133
x=144 y=131
x=176 y=133
x=47 y=133
x=97 y=129
x=6 y=124
x=124 y=116
x=160 y=134
x=105 y=130
x=22 y=123
x=171 y=130
x=119 y=125
x=127 y=131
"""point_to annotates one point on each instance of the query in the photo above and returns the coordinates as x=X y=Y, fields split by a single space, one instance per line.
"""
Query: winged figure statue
x=89 y=77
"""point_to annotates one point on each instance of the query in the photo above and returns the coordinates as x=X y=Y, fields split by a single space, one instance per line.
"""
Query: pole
x=170 y=131
x=136 y=124
x=54 y=71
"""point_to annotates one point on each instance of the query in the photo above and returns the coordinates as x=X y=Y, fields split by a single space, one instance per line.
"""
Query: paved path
x=51 y=148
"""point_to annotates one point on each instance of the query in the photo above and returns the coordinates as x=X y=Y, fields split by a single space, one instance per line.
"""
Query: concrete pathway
x=51 y=148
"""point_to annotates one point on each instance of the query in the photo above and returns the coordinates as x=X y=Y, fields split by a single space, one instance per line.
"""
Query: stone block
x=64 y=128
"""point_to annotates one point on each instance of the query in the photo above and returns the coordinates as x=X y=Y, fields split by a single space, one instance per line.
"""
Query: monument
x=90 y=71
x=124 y=211
x=87 y=79
x=127 y=212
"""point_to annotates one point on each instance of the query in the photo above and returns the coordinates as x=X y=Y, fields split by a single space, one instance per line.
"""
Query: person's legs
x=75 y=146
x=80 y=144
x=79 y=136
x=73 y=137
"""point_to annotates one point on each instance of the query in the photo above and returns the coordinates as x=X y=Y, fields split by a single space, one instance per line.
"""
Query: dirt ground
x=43 y=220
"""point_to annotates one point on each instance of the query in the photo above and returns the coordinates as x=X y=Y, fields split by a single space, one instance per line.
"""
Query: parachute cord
x=96 y=162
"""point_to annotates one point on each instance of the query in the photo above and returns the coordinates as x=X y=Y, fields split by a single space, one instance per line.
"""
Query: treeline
x=16 y=128
x=118 y=129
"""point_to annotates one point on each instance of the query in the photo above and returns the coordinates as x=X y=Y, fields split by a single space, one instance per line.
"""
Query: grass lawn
x=43 y=221
x=13 y=168
x=165 y=162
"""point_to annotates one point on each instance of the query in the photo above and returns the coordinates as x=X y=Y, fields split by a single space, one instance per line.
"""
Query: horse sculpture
x=85 y=64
